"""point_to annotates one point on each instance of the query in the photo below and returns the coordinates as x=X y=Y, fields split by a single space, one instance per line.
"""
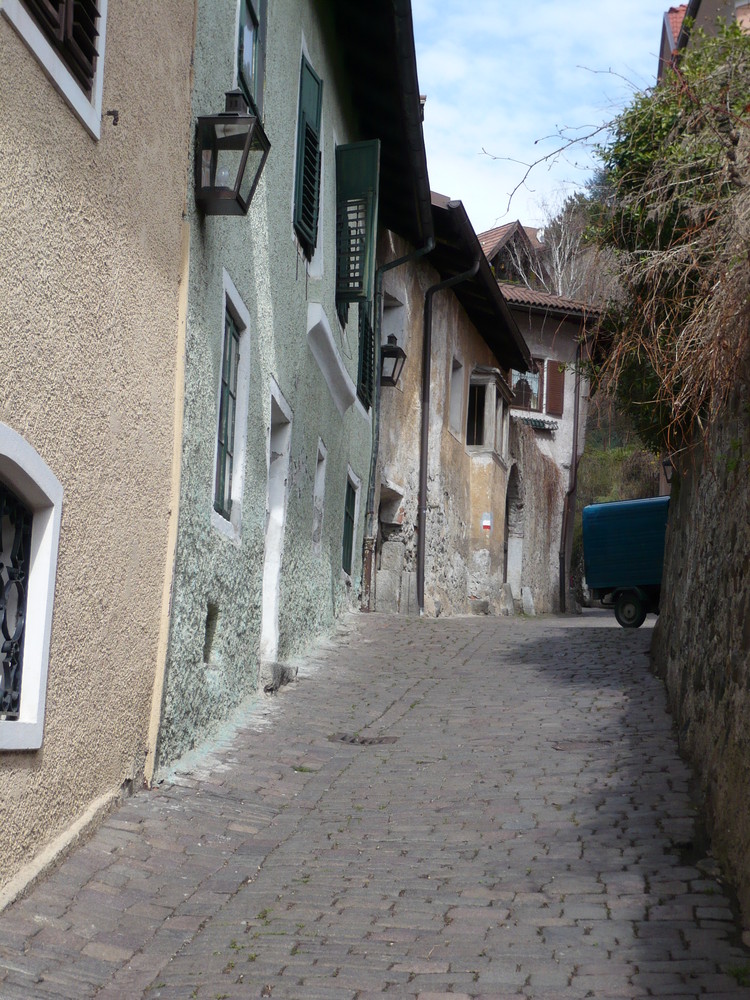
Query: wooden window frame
x=253 y=88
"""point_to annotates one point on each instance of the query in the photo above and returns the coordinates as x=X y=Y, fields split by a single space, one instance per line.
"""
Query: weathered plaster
x=463 y=560
x=280 y=291
x=89 y=281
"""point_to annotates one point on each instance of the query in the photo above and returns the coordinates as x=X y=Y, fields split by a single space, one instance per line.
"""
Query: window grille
x=15 y=565
x=71 y=28
x=227 y=415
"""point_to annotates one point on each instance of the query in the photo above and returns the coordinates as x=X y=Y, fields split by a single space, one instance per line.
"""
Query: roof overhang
x=377 y=46
x=456 y=250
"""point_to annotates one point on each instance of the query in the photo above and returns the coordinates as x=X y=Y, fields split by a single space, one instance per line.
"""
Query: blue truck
x=623 y=553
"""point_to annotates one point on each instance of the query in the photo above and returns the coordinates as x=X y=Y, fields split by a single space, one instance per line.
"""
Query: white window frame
x=28 y=475
x=231 y=528
x=319 y=493
x=456 y=399
x=88 y=111
x=356 y=483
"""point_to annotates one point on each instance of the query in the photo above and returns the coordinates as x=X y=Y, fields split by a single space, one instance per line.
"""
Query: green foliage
x=672 y=226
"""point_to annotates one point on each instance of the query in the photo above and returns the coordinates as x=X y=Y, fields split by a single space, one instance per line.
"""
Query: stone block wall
x=701 y=643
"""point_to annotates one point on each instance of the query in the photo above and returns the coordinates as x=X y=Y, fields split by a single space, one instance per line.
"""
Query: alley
x=471 y=807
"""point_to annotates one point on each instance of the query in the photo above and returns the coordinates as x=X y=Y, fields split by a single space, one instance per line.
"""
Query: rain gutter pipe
x=425 y=429
x=369 y=543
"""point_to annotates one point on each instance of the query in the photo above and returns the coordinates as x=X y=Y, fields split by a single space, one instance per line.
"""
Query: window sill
x=231 y=530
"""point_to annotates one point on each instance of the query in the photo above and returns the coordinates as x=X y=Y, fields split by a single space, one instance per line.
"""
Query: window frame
x=319 y=492
x=308 y=159
x=28 y=476
x=233 y=305
x=456 y=396
x=353 y=485
x=87 y=109
x=253 y=90
x=539 y=408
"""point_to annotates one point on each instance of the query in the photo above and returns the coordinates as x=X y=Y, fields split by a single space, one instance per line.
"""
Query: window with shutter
x=528 y=388
x=350 y=509
x=307 y=179
x=71 y=28
x=67 y=37
x=357 y=177
x=555 y=388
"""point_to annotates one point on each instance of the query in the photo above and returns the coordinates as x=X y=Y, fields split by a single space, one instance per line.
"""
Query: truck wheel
x=630 y=611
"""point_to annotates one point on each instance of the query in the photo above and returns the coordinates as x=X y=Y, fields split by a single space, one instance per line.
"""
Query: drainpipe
x=424 y=435
x=573 y=485
x=370 y=537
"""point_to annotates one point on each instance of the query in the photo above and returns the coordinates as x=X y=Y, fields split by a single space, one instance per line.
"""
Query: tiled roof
x=676 y=16
x=538 y=423
x=523 y=296
x=493 y=239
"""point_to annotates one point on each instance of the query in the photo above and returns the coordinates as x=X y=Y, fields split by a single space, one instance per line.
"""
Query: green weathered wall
x=261 y=255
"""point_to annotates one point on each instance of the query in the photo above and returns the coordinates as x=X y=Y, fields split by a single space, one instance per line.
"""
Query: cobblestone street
x=503 y=814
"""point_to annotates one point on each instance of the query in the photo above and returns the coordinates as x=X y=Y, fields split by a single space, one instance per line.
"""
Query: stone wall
x=701 y=642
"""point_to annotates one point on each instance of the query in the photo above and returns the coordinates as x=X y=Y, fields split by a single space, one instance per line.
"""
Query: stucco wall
x=536 y=492
x=462 y=560
x=701 y=642
x=276 y=285
x=89 y=276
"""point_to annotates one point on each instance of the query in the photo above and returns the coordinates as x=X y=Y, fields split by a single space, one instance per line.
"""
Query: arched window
x=30 y=513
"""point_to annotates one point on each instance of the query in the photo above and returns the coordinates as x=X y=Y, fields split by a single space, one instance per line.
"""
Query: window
x=350 y=521
x=30 y=515
x=227 y=416
x=486 y=424
x=357 y=178
x=67 y=37
x=528 y=388
x=457 y=396
x=307 y=177
x=251 y=52
x=543 y=391
x=232 y=403
x=475 y=417
x=366 y=369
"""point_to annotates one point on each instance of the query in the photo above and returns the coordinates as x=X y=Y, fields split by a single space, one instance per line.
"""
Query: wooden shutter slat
x=555 y=388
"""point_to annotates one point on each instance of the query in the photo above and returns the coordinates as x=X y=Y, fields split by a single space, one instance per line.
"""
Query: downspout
x=370 y=538
x=425 y=430
x=573 y=484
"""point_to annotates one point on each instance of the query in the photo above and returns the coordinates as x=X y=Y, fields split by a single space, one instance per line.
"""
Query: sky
x=503 y=78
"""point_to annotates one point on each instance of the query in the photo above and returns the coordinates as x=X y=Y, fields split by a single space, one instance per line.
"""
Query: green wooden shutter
x=555 y=388
x=307 y=179
x=350 y=504
x=357 y=180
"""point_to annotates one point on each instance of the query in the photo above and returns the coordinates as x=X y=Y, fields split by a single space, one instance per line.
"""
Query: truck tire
x=630 y=611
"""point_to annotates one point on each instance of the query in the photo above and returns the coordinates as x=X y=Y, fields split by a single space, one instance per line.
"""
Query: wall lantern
x=668 y=468
x=392 y=358
x=230 y=153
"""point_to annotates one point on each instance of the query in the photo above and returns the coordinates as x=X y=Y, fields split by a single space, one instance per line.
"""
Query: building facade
x=91 y=270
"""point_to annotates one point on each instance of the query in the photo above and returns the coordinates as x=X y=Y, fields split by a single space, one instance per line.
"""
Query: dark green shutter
x=307 y=180
x=357 y=179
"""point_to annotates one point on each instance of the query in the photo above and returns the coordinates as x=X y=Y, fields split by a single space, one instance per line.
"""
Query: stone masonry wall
x=701 y=643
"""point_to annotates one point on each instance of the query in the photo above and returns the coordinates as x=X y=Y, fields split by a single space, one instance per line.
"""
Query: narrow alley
x=467 y=807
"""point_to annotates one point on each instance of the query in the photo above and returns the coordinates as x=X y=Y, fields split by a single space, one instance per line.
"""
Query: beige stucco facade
x=91 y=265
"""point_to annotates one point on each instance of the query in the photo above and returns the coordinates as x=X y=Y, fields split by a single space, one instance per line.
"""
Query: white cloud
x=506 y=78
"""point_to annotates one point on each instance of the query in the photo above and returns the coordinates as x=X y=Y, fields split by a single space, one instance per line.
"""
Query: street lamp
x=230 y=153
x=668 y=467
x=392 y=358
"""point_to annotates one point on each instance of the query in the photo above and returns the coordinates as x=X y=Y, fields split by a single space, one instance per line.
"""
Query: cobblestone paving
x=528 y=833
